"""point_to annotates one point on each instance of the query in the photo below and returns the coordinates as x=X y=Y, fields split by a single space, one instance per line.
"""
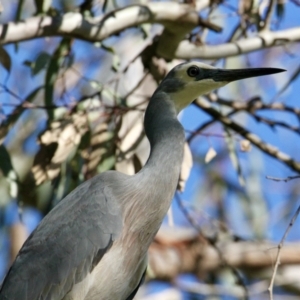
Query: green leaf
x=115 y=63
x=107 y=48
x=15 y=115
x=33 y=94
x=280 y=9
x=5 y=161
x=111 y=95
x=96 y=85
x=42 y=6
x=28 y=63
x=107 y=164
x=233 y=156
x=145 y=29
x=5 y=60
x=294 y=76
x=51 y=76
x=69 y=61
x=40 y=63
x=8 y=171
x=54 y=66
x=46 y=5
x=19 y=10
x=104 y=6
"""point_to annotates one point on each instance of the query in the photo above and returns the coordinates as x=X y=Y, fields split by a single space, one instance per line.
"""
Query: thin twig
x=273 y=123
x=254 y=139
x=256 y=103
x=283 y=179
x=7 y=90
x=142 y=79
x=250 y=106
x=269 y=13
x=216 y=135
x=212 y=242
x=294 y=76
x=186 y=213
x=280 y=245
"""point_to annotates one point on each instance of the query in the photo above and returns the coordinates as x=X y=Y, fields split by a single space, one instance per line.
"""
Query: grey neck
x=156 y=183
x=166 y=137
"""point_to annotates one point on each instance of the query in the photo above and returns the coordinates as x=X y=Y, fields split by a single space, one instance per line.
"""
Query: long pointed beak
x=237 y=74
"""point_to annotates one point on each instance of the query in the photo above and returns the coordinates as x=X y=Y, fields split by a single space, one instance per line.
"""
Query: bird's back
x=69 y=242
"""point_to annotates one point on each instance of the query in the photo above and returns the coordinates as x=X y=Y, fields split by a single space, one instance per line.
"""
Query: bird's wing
x=132 y=295
x=68 y=243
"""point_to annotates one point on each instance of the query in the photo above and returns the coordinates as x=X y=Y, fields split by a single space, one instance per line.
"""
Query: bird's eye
x=193 y=71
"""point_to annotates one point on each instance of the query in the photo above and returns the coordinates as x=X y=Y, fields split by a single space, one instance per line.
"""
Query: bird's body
x=93 y=244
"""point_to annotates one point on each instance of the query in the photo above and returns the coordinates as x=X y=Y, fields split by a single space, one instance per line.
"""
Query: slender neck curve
x=166 y=137
x=156 y=182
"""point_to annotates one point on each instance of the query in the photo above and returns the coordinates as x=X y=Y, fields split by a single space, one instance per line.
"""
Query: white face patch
x=192 y=91
x=191 y=86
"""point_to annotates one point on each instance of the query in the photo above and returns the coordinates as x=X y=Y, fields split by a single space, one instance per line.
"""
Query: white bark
x=177 y=19
x=262 y=40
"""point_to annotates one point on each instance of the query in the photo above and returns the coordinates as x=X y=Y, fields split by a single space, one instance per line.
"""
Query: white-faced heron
x=93 y=244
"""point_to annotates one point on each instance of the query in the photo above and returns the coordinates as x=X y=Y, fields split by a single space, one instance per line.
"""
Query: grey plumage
x=52 y=241
x=93 y=244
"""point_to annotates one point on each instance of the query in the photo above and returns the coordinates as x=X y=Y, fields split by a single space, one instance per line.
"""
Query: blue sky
x=274 y=196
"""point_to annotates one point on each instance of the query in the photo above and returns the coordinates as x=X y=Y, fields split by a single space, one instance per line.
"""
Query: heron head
x=189 y=80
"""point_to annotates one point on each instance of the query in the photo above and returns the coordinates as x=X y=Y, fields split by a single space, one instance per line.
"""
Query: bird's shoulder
x=69 y=241
x=95 y=202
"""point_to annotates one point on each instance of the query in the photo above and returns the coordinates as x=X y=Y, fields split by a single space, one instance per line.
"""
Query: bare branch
x=256 y=103
x=254 y=139
x=283 y=179
x=269 y=13
x=280 y=246
x=197 y=257
x=273 y=123
x=250 y=106
x=178 y=20
x=172 y=15
x=265 y=39
x=212 y=242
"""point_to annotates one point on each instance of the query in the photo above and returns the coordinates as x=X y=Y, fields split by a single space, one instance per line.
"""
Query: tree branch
x=169 y=258
x=254 y=139
x=280 y=249
x=178 y=20
x=269 y=14
x=265 y=39
x=256 y=103
x=175 y=16
x=250 y=106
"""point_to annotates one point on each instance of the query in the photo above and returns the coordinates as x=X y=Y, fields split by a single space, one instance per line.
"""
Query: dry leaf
x=211 y=153
x=245 y=145
x=57 y=143
x=99 y=144
x=170 y=217
x=186 y=166
x=130 y=135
